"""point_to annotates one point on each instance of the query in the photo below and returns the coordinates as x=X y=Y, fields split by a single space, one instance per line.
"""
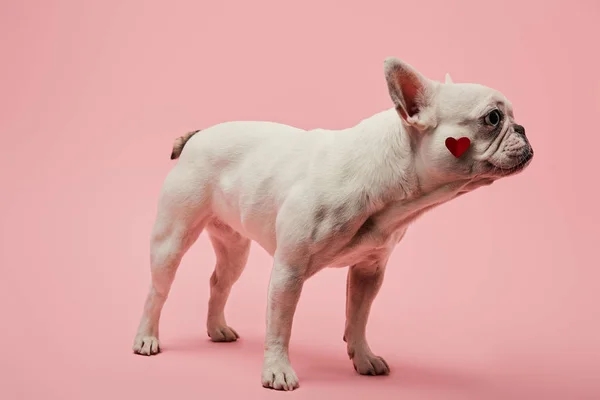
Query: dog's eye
x=493 y=118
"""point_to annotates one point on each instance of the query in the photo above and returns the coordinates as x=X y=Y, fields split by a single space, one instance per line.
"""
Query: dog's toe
x=146 y=345
x=370 y=364
x=280 y=376
x=223 y=334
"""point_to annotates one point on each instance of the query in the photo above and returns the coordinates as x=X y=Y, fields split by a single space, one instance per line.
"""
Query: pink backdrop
x=493 y=296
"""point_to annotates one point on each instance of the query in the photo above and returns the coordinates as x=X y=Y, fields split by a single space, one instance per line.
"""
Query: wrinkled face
x=434 y=112
x=498 y=146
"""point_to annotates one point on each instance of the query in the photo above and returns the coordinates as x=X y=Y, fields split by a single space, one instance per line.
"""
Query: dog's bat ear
x=448 y=79
x=411 y=92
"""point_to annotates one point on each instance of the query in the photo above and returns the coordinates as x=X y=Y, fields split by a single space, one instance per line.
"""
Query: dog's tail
x=180 y=142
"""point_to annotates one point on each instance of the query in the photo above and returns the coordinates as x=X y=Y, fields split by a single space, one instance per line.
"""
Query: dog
x=324 y=198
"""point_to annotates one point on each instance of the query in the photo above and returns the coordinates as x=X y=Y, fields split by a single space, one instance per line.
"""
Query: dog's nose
x=519 y=129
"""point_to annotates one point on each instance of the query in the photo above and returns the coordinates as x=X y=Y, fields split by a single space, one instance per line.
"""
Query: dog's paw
x=146 y=345
x=222 y=334
x=370 y=364
x=279 y=376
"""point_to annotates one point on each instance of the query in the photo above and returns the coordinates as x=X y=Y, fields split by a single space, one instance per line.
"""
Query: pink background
x=493 y=296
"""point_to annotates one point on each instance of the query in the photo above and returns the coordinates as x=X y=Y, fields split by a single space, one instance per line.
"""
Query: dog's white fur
x=323 y=198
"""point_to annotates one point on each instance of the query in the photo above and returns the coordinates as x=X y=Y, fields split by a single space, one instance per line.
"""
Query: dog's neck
x=384 y=153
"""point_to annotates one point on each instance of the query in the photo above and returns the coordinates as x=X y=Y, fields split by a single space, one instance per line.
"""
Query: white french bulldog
x=323 y=198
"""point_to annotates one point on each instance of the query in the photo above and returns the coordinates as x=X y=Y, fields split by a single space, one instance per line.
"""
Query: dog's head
x=438 y=116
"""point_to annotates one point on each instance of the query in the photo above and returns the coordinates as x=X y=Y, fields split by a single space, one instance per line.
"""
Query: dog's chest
x=367 y=253
x=358 y=240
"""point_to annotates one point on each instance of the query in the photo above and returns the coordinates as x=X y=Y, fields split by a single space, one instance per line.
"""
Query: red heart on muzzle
x=458 y=147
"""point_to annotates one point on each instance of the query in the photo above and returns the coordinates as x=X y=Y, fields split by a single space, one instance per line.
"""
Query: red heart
x=458 y=147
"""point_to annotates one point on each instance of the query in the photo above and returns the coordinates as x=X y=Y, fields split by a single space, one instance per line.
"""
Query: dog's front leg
x=363 y=285
x=285 y=287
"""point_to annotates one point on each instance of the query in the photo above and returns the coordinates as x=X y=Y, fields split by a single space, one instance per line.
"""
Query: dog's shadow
x=331 y=365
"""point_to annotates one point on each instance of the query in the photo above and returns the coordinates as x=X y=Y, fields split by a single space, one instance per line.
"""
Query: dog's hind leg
x=182 y=215
x=231 y=250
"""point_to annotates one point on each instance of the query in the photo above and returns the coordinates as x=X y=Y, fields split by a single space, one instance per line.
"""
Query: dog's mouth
x=520 y=166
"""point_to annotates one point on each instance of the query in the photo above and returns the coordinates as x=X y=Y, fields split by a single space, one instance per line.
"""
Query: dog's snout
x=519 y=129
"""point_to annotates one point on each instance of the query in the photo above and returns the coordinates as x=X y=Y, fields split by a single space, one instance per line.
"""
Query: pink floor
x=493 y=296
